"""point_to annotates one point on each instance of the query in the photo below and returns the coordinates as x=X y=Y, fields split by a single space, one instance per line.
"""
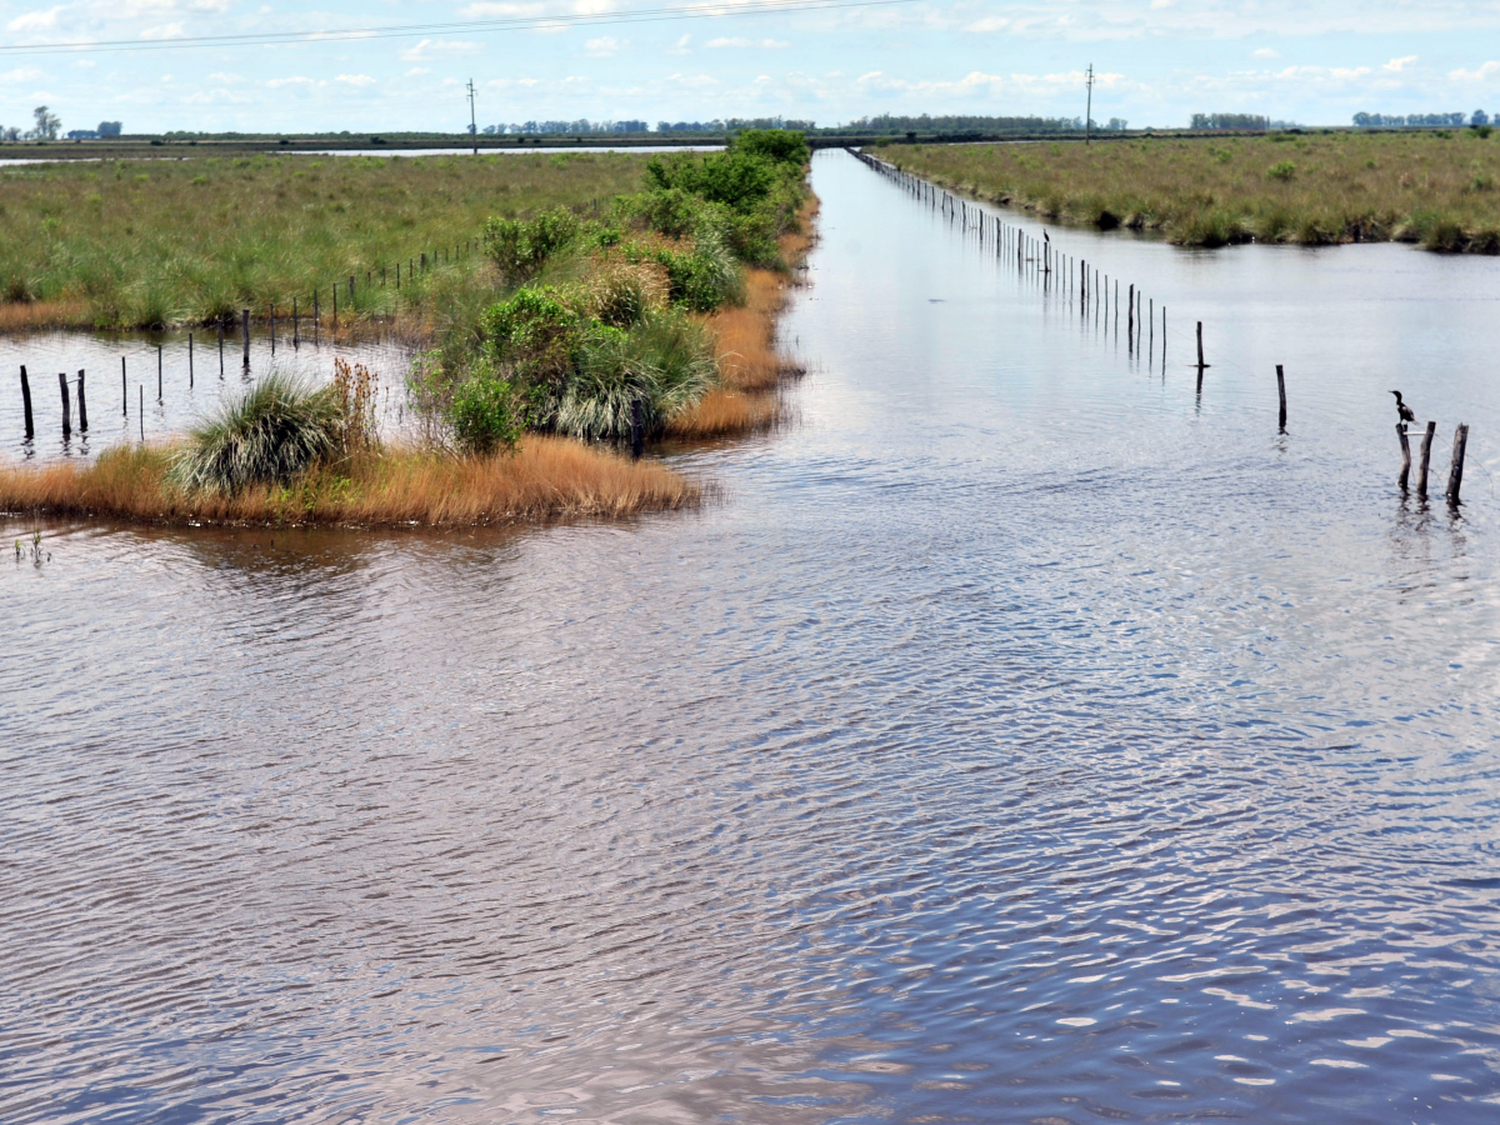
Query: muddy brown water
x=1021 y=737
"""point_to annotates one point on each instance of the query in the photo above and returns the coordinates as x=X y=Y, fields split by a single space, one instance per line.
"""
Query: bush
x=703 y=278
x=520 y=248
x=738 y=180
x=484 y=412
x=621 y=295
x=1282 y=170
x=278 y=430
x=535 y=335
x=666 y=363
x=780 y=146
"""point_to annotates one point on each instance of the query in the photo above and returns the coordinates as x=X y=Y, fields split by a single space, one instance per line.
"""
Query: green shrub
x=280 y=428
x=520 y=247
x=780 y=146
x=1282 y=170
x=535 y=335
x=703 y=278
x=484 y=413
x=739 y=180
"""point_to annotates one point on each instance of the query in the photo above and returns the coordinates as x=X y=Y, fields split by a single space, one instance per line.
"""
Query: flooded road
x=1023 y=738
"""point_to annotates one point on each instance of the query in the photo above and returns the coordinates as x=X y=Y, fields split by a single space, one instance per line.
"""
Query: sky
x=1157 y=62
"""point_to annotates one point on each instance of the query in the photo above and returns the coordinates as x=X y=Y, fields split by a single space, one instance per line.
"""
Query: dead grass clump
x=723 y=411
x=24 y=316
x=547 y=477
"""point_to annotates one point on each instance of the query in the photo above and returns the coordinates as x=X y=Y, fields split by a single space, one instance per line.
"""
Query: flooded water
x=150 y=386
x=1022 y=738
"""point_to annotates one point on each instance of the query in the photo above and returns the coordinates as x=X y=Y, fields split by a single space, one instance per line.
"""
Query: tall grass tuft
x=280 y=429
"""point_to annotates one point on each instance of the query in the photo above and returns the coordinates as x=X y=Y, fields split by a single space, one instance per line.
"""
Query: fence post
x=1456 y=469
x=1281 y=423
x=83 y=410
x=245 y=330
x=1405 y=455
x=1422 y=461
x=26 y=403
x=62 y=385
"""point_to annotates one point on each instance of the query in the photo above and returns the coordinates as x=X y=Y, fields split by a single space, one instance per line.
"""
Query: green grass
x=150 y=243
x=1438 y=189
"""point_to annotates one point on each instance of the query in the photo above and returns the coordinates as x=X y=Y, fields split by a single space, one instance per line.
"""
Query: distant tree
x=47 y=124
x=109 y=128
x=10 y=133
x=1479 y=118
x=1117 y=124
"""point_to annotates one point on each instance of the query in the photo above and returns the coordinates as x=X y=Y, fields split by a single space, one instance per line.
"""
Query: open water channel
x=1020 y=738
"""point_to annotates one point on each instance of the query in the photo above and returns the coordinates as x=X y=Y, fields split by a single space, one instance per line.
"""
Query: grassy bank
x=1440 y=189
x=650 y=316
x=545 y=477
x=128 y=244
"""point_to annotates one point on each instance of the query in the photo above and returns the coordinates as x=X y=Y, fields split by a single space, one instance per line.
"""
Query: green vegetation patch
x=1435 y=189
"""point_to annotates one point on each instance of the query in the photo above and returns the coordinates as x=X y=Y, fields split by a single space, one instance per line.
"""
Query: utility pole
x=1088 y=120
x=473 y=121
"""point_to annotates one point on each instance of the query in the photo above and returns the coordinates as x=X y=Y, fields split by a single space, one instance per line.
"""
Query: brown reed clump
x=1438 y=188
x=546 y=477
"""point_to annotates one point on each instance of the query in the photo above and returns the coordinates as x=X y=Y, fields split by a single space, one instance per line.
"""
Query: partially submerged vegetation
x=152 y=243
x=650 y=316
x=1439 y=189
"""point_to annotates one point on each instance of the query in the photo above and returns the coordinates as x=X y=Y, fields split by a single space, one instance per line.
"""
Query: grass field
x=132 y=244
x=1440 y=189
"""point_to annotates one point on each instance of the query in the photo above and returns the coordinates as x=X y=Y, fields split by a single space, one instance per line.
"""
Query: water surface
x=1023 y=738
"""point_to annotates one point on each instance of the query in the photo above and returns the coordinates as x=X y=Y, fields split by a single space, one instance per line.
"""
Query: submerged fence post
x=273 y=327
x=296 y=324
x=158 y=373
x=124 y=392
x=141 y=412
x=245 y=331
x=1281 y=394
x=62 y=385
x=26 y=403
x=1405 y=455
x=190 y=361
x=1130 y=322
x=83 y=410
x=1456 y=469
x=1426 y=453
x=1201 y=364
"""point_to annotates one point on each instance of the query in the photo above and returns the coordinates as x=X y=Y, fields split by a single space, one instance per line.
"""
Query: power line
x=414 y=30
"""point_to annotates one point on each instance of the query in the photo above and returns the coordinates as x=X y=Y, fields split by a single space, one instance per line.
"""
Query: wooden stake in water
x=1201 y=364
x=26 y=403
x=245 y=332
x=296 y=325
x=62 y=384
x=1130 y=322
x=1281 y=416
x=190 y=361
x=141 y=412
x=158 y=374
x=83 y=409
x=273 y=327
x=1456 y=469
x=221 y=349
x=124 y=392
x=1405 y=455
x=1426 y=454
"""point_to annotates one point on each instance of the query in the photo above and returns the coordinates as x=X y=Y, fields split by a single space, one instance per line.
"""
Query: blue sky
x=1159 y=61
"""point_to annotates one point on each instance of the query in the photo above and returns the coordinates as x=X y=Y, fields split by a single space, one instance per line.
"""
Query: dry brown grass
x=547 y=477
x=29 y=316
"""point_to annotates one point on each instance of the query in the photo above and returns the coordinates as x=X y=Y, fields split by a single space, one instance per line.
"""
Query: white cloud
x=683 y=46
x=21 y=74
x=173 y=30
x=1265 y=53
x=741 y=43
x=431 y=48
x=299 y=81
x=1398 y=65
x=355 y=79
x=418 y=71
x=225 y=79
x=1485 y=71
x=988 y=23
x=35 y=21
x=605 y=46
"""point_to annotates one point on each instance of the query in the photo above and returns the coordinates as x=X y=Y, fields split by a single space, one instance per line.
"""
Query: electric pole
x=1088 y=120
x=473 y=122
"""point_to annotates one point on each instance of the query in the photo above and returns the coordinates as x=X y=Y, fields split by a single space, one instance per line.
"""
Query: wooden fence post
x=26 y=403
x=1405 y=455
x=62 y=384
x=1456 y=469
x=1426 y=453
x=1281 y=394
x=83 y=410
x=245 y=331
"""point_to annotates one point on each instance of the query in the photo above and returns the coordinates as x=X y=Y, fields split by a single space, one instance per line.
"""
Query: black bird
x=1047 y=238
x=1402 y=409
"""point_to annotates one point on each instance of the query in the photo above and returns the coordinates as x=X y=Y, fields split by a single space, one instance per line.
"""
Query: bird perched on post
x=1402 y=409
x=1047 y=238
